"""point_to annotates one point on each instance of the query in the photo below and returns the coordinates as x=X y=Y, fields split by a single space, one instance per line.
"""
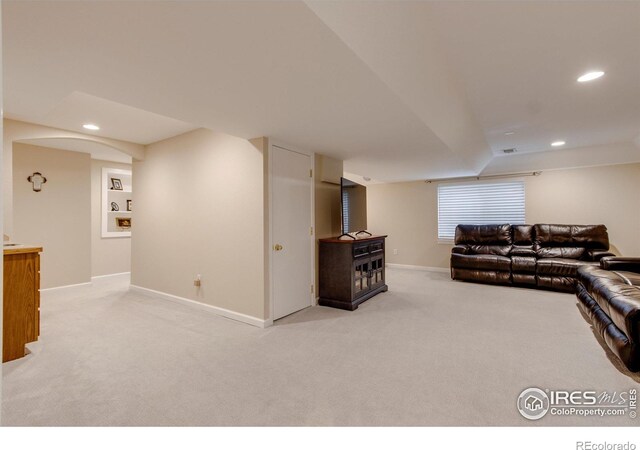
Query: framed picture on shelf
x=123 y=222
x=128 y=205
x=116 y=184
x=114 y=206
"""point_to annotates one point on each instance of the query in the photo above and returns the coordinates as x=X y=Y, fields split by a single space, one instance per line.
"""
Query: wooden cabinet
x=21 y=300
x=351 y=271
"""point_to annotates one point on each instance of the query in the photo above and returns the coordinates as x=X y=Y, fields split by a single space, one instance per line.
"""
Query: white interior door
x=291 y=231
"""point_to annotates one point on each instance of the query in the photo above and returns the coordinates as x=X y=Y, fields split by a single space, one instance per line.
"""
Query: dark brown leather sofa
x=542 y=255
x=610 y=296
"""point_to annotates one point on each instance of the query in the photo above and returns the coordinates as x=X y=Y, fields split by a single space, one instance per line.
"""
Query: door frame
x=312 y=241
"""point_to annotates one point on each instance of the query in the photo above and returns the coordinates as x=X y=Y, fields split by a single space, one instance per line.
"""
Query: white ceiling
x=399 y=90
x=117 y=121
x=95 y=149
x=519 y=63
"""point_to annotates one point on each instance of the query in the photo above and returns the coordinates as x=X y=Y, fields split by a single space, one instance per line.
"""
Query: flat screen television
x=354 y=206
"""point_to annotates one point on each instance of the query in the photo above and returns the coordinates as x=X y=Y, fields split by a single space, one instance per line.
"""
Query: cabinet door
x=377 y=271
x=361 y=284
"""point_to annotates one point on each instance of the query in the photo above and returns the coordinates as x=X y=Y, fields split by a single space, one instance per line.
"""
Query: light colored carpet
x=431 y=351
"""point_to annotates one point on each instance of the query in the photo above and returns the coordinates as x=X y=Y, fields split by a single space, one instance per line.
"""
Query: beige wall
x=327 y=196
x=59 y=216
x=199 y=210
x=108 y=255
x=408 y=212
x=607 y=195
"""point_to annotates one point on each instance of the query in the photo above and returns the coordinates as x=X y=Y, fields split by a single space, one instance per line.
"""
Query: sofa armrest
x=597 y=255
x=624 y=311
x=460 y=249
x=620 y=263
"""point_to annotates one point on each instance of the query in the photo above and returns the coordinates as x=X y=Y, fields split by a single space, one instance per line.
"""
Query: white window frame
x=489 y=214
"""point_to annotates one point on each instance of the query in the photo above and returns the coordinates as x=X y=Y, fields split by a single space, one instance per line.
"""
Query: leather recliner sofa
x=542 y=255
x=610 y=296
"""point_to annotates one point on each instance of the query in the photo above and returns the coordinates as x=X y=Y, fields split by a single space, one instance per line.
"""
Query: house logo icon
x=533 y=403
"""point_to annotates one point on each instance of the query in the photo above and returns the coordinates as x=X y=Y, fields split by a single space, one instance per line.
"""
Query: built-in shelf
x=123 y=179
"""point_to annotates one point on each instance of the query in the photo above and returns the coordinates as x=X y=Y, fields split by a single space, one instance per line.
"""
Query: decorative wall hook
x=37 y=180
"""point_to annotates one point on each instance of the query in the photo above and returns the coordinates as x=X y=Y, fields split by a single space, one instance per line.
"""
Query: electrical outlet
x=395 y=251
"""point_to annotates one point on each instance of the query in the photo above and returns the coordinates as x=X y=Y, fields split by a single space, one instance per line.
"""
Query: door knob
x=277 y=247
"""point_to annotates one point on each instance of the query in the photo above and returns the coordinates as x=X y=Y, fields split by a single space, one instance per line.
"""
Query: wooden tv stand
x=351 y=271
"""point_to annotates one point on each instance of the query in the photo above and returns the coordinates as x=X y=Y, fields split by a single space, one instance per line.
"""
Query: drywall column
x=262 y=144
x=199 y=209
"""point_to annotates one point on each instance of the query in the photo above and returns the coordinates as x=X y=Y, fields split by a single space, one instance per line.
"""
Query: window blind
x=479 y=204
x=345 y=211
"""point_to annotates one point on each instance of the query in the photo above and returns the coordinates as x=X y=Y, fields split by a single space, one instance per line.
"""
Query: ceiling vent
x=508 y=151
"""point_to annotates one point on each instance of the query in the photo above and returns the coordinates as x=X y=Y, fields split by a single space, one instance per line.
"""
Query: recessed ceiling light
x=90 y=126
x=590 y=76
x=558 y=143
x=509 y=133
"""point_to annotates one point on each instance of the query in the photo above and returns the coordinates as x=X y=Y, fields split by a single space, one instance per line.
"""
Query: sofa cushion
x=588 y=275
x=593 y=278
x=481 y=276
x=523 y=264
x=560 y=252
x=588 y=236
x=522 y=234
x=499 y=235
x=500 y=250
x=560 y=266
x=481 y=262
x=556 y=282
x=519 y=250
x=524 y=278
x=522 y=240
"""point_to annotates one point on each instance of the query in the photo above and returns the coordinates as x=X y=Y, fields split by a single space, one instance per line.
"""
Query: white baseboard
x=121 y=274
x=260 y=323
x=66 y=287
x=89 y=283
x=423 y=268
